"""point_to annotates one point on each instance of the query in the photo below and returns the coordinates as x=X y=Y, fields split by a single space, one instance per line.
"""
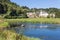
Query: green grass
x=11 y=35
x=30 y=38
x=6 y=22
x=3 y=24
x=36 y=20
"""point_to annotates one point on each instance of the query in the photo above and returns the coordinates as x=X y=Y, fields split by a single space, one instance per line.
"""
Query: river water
x=38 y=30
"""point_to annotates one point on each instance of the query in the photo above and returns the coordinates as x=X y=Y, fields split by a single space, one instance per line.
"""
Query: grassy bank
x=36 y=20
x=6 y=22
x=3 y=24
x=11 y=35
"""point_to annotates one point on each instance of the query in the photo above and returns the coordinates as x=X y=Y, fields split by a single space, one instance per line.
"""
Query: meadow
x=7 y=22
x=35 y=20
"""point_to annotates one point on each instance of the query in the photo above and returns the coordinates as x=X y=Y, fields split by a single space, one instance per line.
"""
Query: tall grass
x=6 y=22
x=11 y=35
x=3 y=24
x=36 y=20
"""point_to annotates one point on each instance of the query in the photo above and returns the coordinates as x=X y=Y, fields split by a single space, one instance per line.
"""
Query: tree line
x=11 y=10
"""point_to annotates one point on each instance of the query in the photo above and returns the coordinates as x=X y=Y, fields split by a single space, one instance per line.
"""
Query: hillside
x=11 y=10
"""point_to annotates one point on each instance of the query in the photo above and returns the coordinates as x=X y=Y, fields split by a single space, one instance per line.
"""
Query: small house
x=40 y=14
x=43 y=14
x=31 y=15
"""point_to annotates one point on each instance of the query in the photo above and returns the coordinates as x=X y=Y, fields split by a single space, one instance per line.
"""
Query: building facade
x=40 y=14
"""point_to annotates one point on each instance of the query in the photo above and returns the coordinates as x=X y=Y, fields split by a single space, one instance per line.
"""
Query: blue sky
x=38 y=3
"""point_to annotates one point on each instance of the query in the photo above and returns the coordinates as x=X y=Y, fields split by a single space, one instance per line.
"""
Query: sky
x=38 y=3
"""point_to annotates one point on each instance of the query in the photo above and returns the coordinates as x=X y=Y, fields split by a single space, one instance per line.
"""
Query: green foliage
x=4 y=0
x=58 y=14
x=35 y=20
x=11 y=10
x=49 y=10
x=11 y=35
x=3 y=9
x=3 y=24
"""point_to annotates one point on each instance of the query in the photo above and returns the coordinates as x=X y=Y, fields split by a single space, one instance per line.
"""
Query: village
x=40 y=14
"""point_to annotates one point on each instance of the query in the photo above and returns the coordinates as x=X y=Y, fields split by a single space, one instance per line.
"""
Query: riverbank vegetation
x=11 y=35
x=35 y=20
x=9 y=22
x=3 y=24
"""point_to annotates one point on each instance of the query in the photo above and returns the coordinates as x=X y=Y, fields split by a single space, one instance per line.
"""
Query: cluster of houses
x=40 y=14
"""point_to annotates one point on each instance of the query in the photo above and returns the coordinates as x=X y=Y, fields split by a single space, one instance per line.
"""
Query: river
x=39 y=30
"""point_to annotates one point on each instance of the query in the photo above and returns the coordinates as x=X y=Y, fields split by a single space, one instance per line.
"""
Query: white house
x=52 y=15
x=40 y=14
x=43 y=14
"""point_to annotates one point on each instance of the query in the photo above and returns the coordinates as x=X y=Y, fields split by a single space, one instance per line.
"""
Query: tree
x=4 y=0
x=25 y=7
x=3 y=8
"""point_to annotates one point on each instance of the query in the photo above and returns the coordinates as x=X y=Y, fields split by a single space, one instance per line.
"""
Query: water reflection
x=43 y=31
x=41 y=26
x=36 y=26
